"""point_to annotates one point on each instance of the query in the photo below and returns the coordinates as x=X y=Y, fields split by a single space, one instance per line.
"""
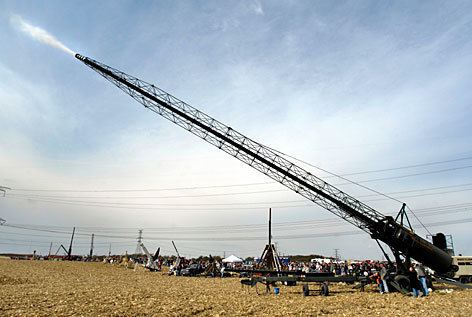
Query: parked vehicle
x=192 y=270
x=464 y=263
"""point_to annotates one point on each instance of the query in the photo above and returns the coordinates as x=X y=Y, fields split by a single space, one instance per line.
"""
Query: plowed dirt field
x=43 y=288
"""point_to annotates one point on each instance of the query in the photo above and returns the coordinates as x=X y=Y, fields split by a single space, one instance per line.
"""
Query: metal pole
x=270 y=226
x=175 y=249
x=91 y=246
x=140 y=240
x=69 y=253
x=50 y=247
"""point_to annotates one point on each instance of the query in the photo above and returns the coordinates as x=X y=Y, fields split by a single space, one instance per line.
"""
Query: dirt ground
x=40 y=288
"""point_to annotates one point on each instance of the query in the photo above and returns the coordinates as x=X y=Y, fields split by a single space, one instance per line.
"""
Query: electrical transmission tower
x=336 y=255
x=4 y=189
x=140 y=240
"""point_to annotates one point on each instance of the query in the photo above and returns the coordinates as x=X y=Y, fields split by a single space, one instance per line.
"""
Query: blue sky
x=351 y=86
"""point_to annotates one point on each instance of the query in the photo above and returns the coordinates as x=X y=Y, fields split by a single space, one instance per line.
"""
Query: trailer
x=321 y=281
x=464 y=273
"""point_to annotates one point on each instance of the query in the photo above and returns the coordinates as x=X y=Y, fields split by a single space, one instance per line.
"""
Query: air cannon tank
x=410 y=244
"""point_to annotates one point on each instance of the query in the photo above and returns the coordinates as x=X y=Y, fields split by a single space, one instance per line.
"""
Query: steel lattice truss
x=400 y=239
x=243 y=148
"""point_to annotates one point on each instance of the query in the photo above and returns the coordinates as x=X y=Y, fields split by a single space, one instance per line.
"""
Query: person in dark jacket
x=414 y=281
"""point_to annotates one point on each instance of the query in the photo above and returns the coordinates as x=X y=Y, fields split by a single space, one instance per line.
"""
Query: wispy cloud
x=333 y=85
x=39 y=34
x=256 y=6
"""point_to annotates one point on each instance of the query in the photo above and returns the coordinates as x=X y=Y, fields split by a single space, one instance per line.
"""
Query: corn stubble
x=42 y=288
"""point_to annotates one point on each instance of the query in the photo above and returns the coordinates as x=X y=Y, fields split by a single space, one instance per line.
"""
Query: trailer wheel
x=324 y=289
x=305 y=290
x=429 y=282
x=403 y=283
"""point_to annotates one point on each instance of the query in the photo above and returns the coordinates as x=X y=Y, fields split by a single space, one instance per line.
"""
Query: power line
x=292 y=225
x=406 y=166
x=55 y=242
x=428 y=194
x=118 y=206
x=240 y=193
x=139 y=206
x=26 y=245
x=411 y=175
x=358 y=183
x=258 y=203
x=339 y=176
x=154 y=197
x=252 y=184
x=422 y=189
x=142 y=190
x=297 y=236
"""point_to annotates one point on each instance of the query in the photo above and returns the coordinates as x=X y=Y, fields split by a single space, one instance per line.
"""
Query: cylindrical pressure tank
x=410 y=244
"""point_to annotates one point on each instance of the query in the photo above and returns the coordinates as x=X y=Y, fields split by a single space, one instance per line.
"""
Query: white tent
x=232 y=259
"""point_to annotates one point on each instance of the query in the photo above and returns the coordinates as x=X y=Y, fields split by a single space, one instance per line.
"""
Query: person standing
x=376 y=278
x=414 y=282
x=222 y=270
x=383 y=277
x=422 y=278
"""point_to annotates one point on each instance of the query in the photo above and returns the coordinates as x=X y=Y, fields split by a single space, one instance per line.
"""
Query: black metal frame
x=265 y=160
x=241 y=147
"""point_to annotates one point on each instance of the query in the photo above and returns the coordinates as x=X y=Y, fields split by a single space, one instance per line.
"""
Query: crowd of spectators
x=376 y=271
x=358 y=268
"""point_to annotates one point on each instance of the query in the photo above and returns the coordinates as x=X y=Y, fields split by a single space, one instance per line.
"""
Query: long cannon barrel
x=402 y=239
x=266 y=161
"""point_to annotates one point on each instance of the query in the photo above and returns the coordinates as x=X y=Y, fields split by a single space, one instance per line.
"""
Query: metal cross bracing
x=399 y=238
x=243 y=148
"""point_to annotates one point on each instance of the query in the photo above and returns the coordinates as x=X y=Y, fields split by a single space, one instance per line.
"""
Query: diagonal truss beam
x=262 y=158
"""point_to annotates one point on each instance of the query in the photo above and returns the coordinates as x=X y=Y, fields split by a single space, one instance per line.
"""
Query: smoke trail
x=39 y=34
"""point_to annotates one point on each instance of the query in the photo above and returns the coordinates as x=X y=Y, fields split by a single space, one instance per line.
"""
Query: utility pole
x=140 y=239
x=50 y=247
x=270 y=259
x=109 y=250
x=91 y=246
x=69 y=253
x=336 y=254
x=270 y=226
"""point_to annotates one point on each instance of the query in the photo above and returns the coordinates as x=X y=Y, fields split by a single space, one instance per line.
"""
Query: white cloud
x=350 y=99
x=256 y=6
